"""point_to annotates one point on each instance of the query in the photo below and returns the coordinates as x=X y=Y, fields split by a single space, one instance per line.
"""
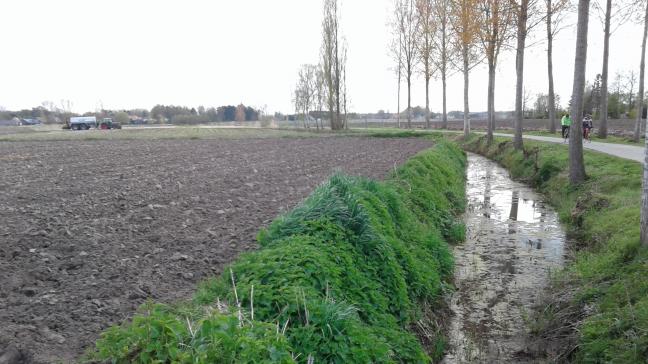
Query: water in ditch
x=513 y=242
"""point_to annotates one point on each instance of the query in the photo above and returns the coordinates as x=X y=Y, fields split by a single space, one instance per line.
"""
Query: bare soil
x=92 y=229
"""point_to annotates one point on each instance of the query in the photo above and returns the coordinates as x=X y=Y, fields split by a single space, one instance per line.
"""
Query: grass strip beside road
x=613 y=139
x=598 y=307
x=354 y=274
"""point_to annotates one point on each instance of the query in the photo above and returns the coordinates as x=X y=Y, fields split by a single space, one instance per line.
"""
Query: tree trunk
x=466 y=113
x=519 y=71
x=409 y=100
x=338 y=122
x=491 y=102
x=444 y=117
x=319 y=113
x=444 y=61
x=552 y=101
x=644 y=199
x=631 y=104
x=331 y=110
x=576 y=163
x=644 y=194
x=427 y=102
x=399 y=84
x=642 y=71
x=604 y=75
x=306 y=119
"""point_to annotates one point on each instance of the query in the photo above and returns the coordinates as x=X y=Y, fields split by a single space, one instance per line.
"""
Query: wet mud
x=513 y=243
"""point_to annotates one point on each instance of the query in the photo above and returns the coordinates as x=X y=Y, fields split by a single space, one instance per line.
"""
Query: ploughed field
x=91 y=229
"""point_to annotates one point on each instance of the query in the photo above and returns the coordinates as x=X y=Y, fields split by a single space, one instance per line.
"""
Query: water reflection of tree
x=513 y=215
x=487 y=191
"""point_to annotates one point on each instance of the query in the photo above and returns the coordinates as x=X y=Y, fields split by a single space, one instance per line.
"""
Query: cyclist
x=566 y=124
x=587 y=127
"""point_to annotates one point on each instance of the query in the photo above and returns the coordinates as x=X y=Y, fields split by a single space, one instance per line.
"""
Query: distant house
x=10 y=122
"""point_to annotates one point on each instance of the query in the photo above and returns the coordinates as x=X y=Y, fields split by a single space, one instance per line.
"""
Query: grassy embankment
x=598 y=307
x=354 y=274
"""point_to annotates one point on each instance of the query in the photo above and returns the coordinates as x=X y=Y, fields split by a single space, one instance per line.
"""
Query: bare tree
x=465 y=25
x=343 y=84
x=525 y=102
x=644 y=192
x=66 y=106
x=556 y=11
x=630 y=82
x=642 y=70
x=442 y=47
x=396 y=51
x=425 y=44
x=496 y=18
x=522 y=8
x=620 y=13
x=400 y=69
x=298 y=103
x=405 y=21
x=527 y=16
x=320 y=94
x=305 y=92
x=576 y=162
x=331 y=62
x=399 y=93
x=602 y=133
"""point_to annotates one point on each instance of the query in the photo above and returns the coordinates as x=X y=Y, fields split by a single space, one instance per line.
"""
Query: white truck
x=83 y=122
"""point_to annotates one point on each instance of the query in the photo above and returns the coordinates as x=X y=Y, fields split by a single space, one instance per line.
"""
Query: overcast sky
x=134 y=54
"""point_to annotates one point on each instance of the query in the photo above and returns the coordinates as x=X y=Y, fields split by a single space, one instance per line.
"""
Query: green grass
x=610 y=139
x=607 y=281
x=4 y=130
x=342 y=278
x=55 y=133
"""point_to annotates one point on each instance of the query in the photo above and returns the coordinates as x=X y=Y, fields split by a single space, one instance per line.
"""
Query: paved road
x=618 y=150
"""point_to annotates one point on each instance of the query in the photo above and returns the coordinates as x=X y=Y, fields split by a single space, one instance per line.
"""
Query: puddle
x=513 y=242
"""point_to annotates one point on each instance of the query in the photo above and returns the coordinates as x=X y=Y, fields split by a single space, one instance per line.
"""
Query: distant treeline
x=51 y=114
x=185 y=115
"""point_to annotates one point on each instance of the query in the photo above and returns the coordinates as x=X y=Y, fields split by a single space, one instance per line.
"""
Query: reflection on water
x=513 y=242
x=493 y=196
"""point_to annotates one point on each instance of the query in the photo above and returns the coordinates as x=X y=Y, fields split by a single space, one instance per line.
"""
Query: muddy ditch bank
x=513 y=242
x=92 y=229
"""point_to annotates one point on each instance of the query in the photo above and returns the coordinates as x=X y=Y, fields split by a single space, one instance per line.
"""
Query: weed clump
x=340 y=278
